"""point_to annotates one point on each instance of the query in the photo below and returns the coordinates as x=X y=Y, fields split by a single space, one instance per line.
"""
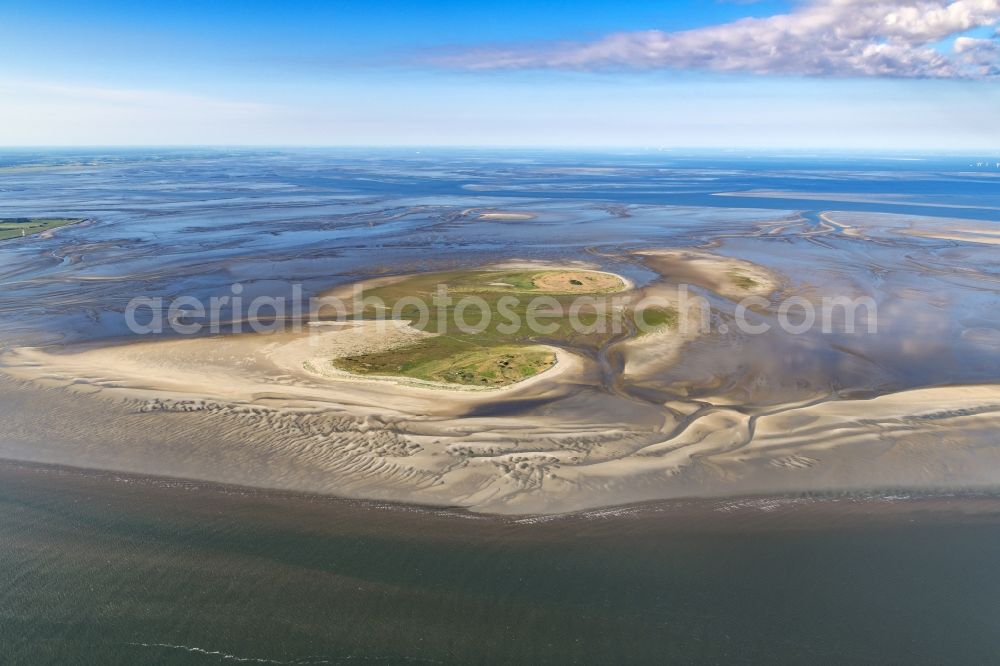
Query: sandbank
x=269 y=411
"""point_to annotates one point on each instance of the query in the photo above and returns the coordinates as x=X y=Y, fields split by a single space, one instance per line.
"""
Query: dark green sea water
x=102 y=569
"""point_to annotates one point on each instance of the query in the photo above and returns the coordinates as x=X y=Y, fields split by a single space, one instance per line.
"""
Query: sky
x=906 y=75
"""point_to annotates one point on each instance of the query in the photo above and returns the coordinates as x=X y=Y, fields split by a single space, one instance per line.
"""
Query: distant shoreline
x=33 y=226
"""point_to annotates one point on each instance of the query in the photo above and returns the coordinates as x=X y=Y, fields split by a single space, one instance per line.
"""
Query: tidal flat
x=570 y=421
x=703 y=494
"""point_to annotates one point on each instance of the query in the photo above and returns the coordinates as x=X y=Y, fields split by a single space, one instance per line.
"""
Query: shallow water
x=194 y=222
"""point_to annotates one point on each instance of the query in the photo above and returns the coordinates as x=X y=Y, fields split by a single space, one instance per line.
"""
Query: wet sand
x=729 y=277
x=610 y=430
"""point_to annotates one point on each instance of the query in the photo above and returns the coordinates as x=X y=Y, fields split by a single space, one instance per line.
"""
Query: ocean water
x=101 y=569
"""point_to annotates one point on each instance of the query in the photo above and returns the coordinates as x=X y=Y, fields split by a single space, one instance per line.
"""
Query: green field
x=658 y=318
x=17 y=227
x=511 y=328
x=445 y=359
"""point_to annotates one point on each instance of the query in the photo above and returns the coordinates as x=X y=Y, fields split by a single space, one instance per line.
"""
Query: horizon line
x=957 y=151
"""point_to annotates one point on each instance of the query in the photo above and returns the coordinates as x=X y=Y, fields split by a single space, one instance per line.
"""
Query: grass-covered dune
x=513 y=320
x=448 y=360
x=17 y=227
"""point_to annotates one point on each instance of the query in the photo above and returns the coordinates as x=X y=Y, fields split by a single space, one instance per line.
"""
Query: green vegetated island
x=17 y=227
x=513 y=343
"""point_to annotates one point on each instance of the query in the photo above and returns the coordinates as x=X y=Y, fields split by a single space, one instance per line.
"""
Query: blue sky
x=811 y=73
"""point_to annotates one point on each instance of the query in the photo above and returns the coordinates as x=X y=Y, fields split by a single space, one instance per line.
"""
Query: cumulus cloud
x=835 y=38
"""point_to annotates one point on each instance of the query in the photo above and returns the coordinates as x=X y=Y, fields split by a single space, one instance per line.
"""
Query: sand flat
x=732 y=278
x=383 y=440
x=270 y=411
x=506 y=216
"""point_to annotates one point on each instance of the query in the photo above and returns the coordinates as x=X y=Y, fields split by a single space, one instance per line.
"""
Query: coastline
x=860 y=507
x=46 y=233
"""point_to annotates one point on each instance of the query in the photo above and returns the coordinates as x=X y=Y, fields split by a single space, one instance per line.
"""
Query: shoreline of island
x=42 y=227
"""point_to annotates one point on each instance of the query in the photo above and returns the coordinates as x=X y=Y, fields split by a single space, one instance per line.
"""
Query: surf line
x=305 y=661
x=231 y=657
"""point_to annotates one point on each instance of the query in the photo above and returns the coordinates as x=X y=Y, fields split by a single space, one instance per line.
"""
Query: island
x=492 y=328
x=389 y=399
x=19 y=227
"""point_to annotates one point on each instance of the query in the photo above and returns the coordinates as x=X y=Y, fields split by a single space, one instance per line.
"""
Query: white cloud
x=980 y=55
x=836 y=38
